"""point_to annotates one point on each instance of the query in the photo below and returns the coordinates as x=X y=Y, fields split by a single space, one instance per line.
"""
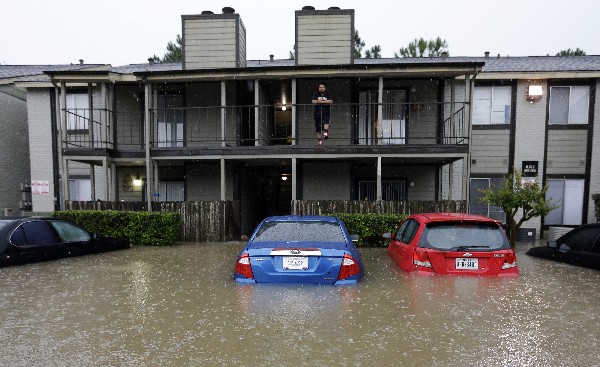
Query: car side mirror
x=386 y=235
x=552 y=244
x=564 y=248
x=354 y=238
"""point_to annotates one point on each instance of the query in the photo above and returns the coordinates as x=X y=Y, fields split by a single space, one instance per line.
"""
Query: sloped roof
x=16 y=71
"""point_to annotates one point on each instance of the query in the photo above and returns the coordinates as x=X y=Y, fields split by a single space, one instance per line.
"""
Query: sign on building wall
x=530 y=169
x=40 y=187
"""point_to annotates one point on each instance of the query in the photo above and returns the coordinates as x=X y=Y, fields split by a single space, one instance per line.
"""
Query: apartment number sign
x=530 y=168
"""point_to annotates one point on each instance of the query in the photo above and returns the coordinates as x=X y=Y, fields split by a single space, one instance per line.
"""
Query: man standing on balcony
x=322 y=103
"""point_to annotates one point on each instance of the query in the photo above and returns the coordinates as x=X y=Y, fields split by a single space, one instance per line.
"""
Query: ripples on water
x=178 y=306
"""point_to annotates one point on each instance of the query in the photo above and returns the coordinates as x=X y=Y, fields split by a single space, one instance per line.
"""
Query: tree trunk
x=512 y=227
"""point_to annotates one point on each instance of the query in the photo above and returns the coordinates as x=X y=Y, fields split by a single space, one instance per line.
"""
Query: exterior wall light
x=137 y=181
x=534 y=93
x=283 y=108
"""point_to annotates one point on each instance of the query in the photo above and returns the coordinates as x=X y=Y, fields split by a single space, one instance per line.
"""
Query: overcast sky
x=121 y=32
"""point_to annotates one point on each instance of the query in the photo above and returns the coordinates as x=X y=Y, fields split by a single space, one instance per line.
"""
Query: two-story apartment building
x=220 y=127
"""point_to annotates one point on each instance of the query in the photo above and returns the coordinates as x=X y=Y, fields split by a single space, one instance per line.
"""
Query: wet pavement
x=178 y=306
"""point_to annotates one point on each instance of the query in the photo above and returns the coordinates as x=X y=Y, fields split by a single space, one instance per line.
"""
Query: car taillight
x=510 y=260
x=421 y=260
x=243 y=267
x=349 y=267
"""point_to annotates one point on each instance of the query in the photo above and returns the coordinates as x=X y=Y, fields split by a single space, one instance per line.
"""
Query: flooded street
x=178 y=306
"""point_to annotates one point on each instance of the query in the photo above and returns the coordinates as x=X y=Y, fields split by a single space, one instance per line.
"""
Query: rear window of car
x=462 y=236
x=301 y=231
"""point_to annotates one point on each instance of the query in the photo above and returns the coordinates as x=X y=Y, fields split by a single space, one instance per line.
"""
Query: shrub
x=140 y=228
x=369 y=227
x=596 y=198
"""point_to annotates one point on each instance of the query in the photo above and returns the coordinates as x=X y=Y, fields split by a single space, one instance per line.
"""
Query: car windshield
x=299 y=231
x=461 y=236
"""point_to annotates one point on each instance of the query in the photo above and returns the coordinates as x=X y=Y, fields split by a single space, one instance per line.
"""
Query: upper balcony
x=191 y=130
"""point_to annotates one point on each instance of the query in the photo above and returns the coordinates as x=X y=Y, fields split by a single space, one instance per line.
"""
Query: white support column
x=379 y=109
x=256 y=112
x=62 y=144
x=103 y=116
x=156 y=178
x=379 y=195
x=92 y=133
x=294 y=179
x=93 y=181
x=106 y=169
x=223 y=194
x=294 y=111
x=114 y=183
x=147 y=122
x=469 y=85
x=223 y=105
x=450 y=180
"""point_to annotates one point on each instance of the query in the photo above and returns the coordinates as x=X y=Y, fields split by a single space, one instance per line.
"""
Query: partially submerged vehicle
x=27 y=240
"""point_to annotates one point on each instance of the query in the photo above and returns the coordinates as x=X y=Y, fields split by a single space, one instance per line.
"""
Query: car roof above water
x=307 y=218
x=453 y=217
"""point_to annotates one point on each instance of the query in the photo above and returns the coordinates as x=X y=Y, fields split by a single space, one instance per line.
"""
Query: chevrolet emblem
x=468 y=254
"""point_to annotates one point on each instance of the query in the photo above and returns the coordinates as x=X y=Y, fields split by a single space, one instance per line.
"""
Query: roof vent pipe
x=334 y=8
x=151 y=60
x=206 y=12
x=308 y=7
x=444 y=55
x=80 y=61
x=487 y=54
x=228 y=10
x=271 y=57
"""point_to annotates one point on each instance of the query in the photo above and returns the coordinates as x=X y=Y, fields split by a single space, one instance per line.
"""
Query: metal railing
x=433 y=123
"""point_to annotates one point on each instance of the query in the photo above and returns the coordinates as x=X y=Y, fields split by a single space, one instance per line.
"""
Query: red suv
x=452 y=243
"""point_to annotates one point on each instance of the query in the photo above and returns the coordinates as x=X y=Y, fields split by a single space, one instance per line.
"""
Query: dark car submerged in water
x=29 y=240
x=580 y=246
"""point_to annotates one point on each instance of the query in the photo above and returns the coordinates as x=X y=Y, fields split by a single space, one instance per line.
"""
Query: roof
x=447 y=217
x=16 y=71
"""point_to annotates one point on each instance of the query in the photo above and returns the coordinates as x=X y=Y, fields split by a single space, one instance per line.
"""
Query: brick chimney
x=212 y=41
x=324 y=37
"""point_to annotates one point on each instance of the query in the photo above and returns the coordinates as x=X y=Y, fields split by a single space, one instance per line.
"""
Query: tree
x=373 y=53
x=358 y=45
x=569 y=52
x=423 y=48
x=174 y=52
x=516 y=194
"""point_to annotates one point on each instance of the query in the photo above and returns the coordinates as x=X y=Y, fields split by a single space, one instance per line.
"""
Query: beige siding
x=324 y=39
x=40 y=132
x=566 y=152
x=213 y=43
x=14 y=161
x=490 y=150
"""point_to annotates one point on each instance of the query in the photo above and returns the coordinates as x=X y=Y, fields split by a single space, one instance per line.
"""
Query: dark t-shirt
x=322 y=110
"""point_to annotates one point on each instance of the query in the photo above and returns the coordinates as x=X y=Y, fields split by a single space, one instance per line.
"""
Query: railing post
x=223 y=105
x=294 y=97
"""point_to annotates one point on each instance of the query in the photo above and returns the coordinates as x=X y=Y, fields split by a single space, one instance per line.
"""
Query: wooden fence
x=319 y=207
x=201 y=221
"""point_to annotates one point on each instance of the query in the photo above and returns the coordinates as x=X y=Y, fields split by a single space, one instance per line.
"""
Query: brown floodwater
x=179 y=306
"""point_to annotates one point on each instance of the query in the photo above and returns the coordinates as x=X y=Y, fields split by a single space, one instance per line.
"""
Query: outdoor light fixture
x=283 y=108
x=534 y=93
x=137 y=181
x=284 y=178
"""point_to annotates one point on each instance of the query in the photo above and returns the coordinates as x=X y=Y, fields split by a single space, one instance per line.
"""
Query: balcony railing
x=436 y=123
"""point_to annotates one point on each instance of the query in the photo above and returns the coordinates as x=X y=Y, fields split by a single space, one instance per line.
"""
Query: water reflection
x=179 y=306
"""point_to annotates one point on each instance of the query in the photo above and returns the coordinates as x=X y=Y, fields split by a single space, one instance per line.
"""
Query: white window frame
x=492 y=211
x=80 y=189
x=578 y=105
x=170 y=120
x=490 y=105
x=570 y=204
x=171 y=191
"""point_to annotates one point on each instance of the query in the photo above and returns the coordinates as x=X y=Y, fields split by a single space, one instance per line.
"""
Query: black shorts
x=319 y=122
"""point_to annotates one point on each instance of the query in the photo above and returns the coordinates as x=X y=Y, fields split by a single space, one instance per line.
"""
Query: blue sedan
x=301 y=250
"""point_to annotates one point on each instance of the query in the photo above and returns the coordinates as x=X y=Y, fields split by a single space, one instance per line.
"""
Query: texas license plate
x=463 y=263
x=295 y=263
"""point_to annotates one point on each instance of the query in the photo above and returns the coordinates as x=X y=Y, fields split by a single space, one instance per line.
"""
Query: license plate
x=295 y=263
x=463 y=263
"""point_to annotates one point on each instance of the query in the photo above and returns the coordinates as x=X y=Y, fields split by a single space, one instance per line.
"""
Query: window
x=568 y=195
x=582 y=239
x=171 y=191
x=80 y=189
x=78 y=111
x=39 y=233
x=569 y=105
x=300 y=231
x=407 y=231
x=491 y=105
x=391 y=128
x=476 y=206
x=70 y=233
x=390 y=190
x=170 y=120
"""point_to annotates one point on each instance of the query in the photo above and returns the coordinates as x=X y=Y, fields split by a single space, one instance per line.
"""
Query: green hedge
x=596 y=198
x=369 y=227
x=141 y=228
